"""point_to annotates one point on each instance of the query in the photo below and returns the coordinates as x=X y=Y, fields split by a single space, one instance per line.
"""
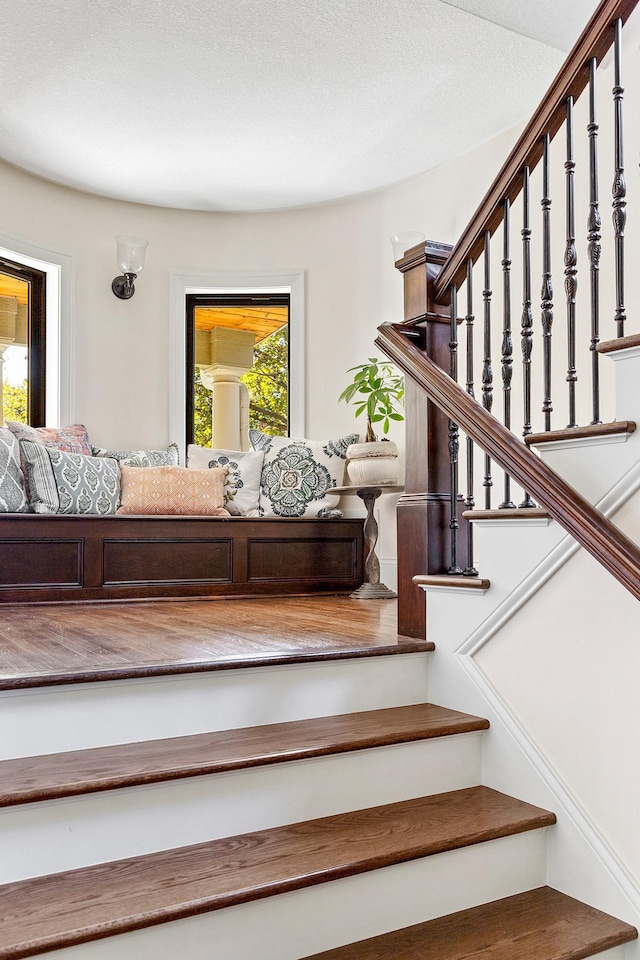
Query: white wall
x=120 y=349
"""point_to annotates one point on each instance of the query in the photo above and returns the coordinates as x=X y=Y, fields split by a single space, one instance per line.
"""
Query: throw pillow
x=143 y=458
x=13 y=496
x=298 y=475
x=166 y=491
x=242 y=482
x=72 y=439
x=70 y=483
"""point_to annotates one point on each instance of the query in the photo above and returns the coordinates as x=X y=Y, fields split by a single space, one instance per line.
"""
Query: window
x=235 y=342
x=22 y=343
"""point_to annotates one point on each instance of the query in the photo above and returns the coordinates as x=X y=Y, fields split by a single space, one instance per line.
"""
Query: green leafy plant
x=377 y=389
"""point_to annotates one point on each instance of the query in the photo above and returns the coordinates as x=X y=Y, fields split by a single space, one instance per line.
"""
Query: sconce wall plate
x=124 y=287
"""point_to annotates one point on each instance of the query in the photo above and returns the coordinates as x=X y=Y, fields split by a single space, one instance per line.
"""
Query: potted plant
x=377 y=389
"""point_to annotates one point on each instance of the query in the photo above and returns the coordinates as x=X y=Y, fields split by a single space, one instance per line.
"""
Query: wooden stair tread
x=613 y=429
x=442 y=580
x=52 y=912
x=517 y=513
x=540 y=924
x=51 y=678
x=105 y=768
x=621 y=343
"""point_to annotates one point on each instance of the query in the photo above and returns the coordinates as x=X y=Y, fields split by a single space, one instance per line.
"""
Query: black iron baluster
x=507 y=340
x=619 y=184
x=594 y=225
x=571 y=268
x=487 y=370
x=546 y=296
x=454 y=444
x=470 y=570
x=527 y=314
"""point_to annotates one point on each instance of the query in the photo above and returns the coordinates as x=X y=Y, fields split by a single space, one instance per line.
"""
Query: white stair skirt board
x=318 y=918
x=77 y=716
x=55 y=835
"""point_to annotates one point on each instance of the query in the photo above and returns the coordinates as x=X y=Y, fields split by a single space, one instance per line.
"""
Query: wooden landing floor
x=75 y=643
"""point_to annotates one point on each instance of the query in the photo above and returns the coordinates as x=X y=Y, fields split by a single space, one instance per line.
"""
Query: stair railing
x=598 y=535
x=449 y=275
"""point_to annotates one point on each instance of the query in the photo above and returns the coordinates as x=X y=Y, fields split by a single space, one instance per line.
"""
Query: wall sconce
x=131 y=251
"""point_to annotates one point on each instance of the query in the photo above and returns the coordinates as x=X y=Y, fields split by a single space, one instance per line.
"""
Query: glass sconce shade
x=131 y=251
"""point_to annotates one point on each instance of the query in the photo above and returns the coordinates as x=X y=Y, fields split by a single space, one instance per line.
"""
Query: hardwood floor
x=67 y=643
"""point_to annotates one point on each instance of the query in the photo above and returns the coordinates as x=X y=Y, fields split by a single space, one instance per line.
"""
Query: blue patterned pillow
x=70 y=483
x=298 y=475
x=13 y=496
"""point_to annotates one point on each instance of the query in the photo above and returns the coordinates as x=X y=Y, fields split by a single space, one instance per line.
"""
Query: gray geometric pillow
x=70 y=483
x=13 y=496
x=142 y=458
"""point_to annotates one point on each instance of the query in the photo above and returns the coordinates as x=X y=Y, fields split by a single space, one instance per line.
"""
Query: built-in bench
x=70 y=558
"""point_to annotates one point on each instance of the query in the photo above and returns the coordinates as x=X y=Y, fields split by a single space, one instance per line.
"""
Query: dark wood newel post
x=423 y=509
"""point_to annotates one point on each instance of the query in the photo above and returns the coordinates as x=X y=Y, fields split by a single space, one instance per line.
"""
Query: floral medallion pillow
x=73 y=439
x=242 y=482
x=298 y=475
x=142 y=458
x=172 y=491
x=13 y=496
x=70 y=483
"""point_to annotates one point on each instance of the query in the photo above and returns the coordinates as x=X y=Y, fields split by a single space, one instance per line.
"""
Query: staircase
x=363 y=833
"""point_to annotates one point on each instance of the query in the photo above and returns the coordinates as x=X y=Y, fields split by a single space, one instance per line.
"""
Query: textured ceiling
x=265 y=104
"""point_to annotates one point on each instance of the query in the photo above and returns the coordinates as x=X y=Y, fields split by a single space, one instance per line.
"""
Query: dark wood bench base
x=62 y=558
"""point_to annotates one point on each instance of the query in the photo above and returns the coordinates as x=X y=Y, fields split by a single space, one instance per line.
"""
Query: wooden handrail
x=598 y=535
x=595 y=40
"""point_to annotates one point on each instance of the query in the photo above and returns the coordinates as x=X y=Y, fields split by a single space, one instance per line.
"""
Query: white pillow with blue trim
x=242 y=482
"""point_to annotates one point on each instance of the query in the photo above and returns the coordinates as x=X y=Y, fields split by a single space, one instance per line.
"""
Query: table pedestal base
x=373 y=591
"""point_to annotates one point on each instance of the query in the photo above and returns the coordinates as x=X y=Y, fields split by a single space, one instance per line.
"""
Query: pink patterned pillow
x=164 y=491
x=72 y=439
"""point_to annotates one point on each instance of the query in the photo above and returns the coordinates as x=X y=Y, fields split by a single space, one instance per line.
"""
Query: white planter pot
x=370 y=464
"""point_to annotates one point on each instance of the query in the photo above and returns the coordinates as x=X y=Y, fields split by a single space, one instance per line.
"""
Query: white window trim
x=212 y=285
x=58 y=267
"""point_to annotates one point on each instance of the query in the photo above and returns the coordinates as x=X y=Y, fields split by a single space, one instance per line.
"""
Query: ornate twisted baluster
x=527 y=314
x=487 y=369
x=546 y=296
x=470 y=570
x=507 y=339
x=571 y=268
x=594 y=225
x=619 y=184
x=454 y=444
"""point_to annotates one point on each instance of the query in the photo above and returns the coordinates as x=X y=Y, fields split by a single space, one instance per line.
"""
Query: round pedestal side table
x=371 y=589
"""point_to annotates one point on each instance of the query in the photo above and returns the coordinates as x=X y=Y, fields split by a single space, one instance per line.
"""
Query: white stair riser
x=318 y=918
x=57 y=835
x=73 y=717
x=593 y=466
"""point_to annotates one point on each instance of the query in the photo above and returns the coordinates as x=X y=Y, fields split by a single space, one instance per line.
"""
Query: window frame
x=195 y=300
x=36 y=337
x=291 y=282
